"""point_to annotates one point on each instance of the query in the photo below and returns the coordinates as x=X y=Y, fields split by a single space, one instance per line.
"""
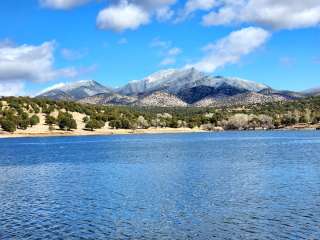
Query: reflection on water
x=233 y=185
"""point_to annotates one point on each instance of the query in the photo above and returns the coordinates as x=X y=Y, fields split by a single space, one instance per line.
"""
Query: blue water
x=232 y=185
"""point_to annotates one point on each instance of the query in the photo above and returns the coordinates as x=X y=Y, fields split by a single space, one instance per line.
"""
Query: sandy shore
x=101 y=132
x=42 y=130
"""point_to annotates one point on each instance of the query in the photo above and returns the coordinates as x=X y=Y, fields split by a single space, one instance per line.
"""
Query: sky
x=47 y=42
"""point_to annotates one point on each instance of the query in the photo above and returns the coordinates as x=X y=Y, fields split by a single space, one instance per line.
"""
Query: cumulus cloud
x=62 y=4
x=195 y=5
x=19 y=64
x=153 y=4
x=277 y=14
x=122 y=17
x=164 y=14
x=230 y=49
x=27 y=62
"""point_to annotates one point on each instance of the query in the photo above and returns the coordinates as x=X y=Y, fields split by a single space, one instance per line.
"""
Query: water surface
x=232 y=185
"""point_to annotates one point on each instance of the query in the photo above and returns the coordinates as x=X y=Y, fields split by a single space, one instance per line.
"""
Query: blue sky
x=116 y=41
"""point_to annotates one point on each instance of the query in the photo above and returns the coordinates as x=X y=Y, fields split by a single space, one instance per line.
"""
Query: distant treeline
x=24 y=112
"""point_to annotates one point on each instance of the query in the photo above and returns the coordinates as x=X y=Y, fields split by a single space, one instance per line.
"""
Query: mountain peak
x=75 y=90
x=175 y=80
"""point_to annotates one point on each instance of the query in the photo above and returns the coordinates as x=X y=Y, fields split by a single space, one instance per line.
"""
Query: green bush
x=50 y=120
x=34 y=120
x=115 y=124
x=8 y=125
x=66 y=122
x=94 y=124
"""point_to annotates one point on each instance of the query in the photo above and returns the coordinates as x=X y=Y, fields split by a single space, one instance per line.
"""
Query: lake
x=230 y=185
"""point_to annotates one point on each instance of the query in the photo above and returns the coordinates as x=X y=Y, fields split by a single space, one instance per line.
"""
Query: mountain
x=187 y=82
x=239 y=99
x=108 y=99
x=173 y=88
x=287 y=95
x=161 y=99
x=74 y=91
x=312 y=92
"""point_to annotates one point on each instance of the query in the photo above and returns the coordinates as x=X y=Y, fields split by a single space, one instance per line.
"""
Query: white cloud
x=19 y=64
x=122 y=17
x=153 y=4
x=195 y=5
x=231 y=48
x=27 y=62
x=62 y=4
x=164 y=14
x=278 y=14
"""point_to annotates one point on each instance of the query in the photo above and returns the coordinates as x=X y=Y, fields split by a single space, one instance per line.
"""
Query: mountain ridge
x=172 y=87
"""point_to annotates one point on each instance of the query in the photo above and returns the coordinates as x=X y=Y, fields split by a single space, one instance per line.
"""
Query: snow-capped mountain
x=172 y=87
x=174 y=81
x=74 y=91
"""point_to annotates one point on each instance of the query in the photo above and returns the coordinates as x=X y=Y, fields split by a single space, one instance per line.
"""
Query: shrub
x=94 y=124
x=34 y=120
x=8 y=125
x=50 y=120
x=115 y=124
x=66 y=122
x=85 y=119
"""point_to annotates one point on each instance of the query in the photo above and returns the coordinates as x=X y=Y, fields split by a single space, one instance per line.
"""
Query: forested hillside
x=25 y=113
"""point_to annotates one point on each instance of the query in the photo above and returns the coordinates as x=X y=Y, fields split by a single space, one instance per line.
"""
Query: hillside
x=27 y=116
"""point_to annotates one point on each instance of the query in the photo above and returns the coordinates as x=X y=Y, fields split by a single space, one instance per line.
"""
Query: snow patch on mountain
x=174 y=80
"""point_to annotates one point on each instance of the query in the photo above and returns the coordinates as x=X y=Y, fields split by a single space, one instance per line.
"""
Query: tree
x=8 y=125
x=66 y=122
x=94 y=124
x=125 y=123
x=85 y=119
x=23 y=121
x=34 y=120
x=142 y=122
x=115 y=124
x=50 y=120
x=238 y=121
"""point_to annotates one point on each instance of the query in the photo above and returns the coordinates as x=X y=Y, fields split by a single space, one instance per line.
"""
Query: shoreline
x=111 y=132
